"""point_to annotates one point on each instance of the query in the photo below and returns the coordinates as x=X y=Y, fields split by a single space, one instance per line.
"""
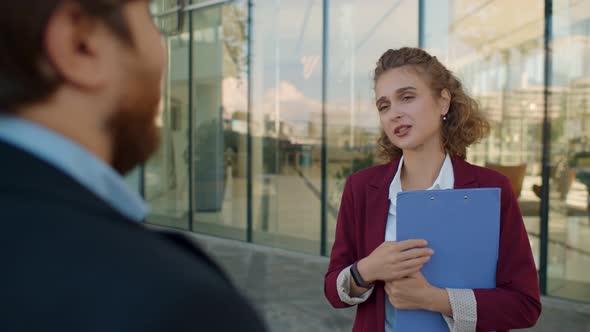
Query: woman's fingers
x=414 y=253
x=409 y=244
x=407 y=268
x=412 y=263
x=406 y=272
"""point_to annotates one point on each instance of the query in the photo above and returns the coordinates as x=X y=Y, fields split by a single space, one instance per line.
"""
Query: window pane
x=166 y=173
x=219 y=110
x=496 y=48
x=286 y=121
x=359 y=33
x=569 y=229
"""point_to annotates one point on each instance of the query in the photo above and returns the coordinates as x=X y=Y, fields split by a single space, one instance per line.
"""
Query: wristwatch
x=358 y=279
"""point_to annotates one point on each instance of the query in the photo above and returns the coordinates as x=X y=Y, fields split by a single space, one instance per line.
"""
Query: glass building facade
x=269 y=106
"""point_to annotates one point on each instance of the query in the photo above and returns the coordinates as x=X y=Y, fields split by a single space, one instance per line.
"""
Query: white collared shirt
x=463 y=303
x=444 y=180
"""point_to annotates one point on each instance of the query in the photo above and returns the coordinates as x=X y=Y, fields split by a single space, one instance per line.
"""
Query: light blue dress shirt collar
x=71 y=158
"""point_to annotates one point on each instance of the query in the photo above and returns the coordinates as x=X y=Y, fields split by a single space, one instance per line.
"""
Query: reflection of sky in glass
x=290 y=58
x=359 y=33
x=473 y=31
x=571 y=45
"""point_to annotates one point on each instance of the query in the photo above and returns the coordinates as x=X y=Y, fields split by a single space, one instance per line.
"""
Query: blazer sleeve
x=515 y=302
x=344 y=249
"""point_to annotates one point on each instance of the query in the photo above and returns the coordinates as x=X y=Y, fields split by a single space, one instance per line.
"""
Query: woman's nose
x=394 y=114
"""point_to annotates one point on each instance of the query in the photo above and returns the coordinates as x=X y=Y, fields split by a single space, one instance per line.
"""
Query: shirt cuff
x=464 y=307
x=343 y=286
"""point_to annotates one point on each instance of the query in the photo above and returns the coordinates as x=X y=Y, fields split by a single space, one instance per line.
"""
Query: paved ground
x=279 y=221
x=287 y=289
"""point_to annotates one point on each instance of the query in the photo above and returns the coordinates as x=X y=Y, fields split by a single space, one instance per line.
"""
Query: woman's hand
x=394 y=260
x=416 y=293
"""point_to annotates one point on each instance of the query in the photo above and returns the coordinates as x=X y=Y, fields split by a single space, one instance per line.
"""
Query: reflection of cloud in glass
x=293 y=104
x=235 y=95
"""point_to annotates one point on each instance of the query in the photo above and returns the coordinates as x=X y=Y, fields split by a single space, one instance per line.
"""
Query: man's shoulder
x=44 y=207
x=180 y=277
x=150 y=254
x=129 y=273
x=68 y=244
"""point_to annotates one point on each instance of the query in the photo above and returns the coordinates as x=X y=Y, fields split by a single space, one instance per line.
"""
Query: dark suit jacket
x=72 y=263
x=514 y=303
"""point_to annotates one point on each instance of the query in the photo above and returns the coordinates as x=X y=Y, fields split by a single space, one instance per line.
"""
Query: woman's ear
x=445 y=98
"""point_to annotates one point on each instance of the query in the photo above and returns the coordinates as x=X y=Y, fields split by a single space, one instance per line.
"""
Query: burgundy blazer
x=513 y=304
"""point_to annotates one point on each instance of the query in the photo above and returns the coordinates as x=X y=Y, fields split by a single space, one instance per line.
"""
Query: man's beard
x=134 y=132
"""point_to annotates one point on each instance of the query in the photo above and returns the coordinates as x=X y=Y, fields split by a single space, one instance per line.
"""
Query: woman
x=428 y=121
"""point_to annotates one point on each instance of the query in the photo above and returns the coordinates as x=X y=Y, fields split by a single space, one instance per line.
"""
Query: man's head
x=89 y=69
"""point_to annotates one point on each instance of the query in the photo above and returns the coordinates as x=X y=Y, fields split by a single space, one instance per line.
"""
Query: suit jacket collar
x=26 y=176
x=74 y=161
x=28 y=179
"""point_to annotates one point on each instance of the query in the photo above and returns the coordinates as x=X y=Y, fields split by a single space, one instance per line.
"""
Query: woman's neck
x=421 y=168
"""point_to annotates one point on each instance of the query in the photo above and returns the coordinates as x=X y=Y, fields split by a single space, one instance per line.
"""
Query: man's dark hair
x=26 y=75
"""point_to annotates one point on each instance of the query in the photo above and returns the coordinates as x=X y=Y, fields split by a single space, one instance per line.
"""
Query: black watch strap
x=358 y=279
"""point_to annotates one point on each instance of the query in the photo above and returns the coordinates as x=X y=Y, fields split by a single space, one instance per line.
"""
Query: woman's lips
x=402 y=131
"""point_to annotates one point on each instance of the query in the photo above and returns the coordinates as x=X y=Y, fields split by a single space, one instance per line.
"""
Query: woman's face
x=409 y=113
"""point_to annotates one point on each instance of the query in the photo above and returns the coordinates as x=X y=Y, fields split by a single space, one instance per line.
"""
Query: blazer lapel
x=378 y=205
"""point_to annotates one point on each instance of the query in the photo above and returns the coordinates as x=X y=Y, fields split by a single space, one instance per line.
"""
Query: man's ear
x=76 y=48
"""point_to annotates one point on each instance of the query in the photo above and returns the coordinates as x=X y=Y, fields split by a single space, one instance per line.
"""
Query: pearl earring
x=445 y=118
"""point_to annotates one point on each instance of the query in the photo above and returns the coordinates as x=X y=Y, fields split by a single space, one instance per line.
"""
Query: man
x=79 y=93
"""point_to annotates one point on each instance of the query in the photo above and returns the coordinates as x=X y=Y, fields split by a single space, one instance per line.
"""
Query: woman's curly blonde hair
x=465 y=124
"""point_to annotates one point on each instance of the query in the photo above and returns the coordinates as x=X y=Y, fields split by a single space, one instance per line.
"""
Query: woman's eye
x=383 y=108
x=406 y=98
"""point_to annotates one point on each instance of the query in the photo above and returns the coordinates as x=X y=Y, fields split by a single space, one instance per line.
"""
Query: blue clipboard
x=463 y=228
